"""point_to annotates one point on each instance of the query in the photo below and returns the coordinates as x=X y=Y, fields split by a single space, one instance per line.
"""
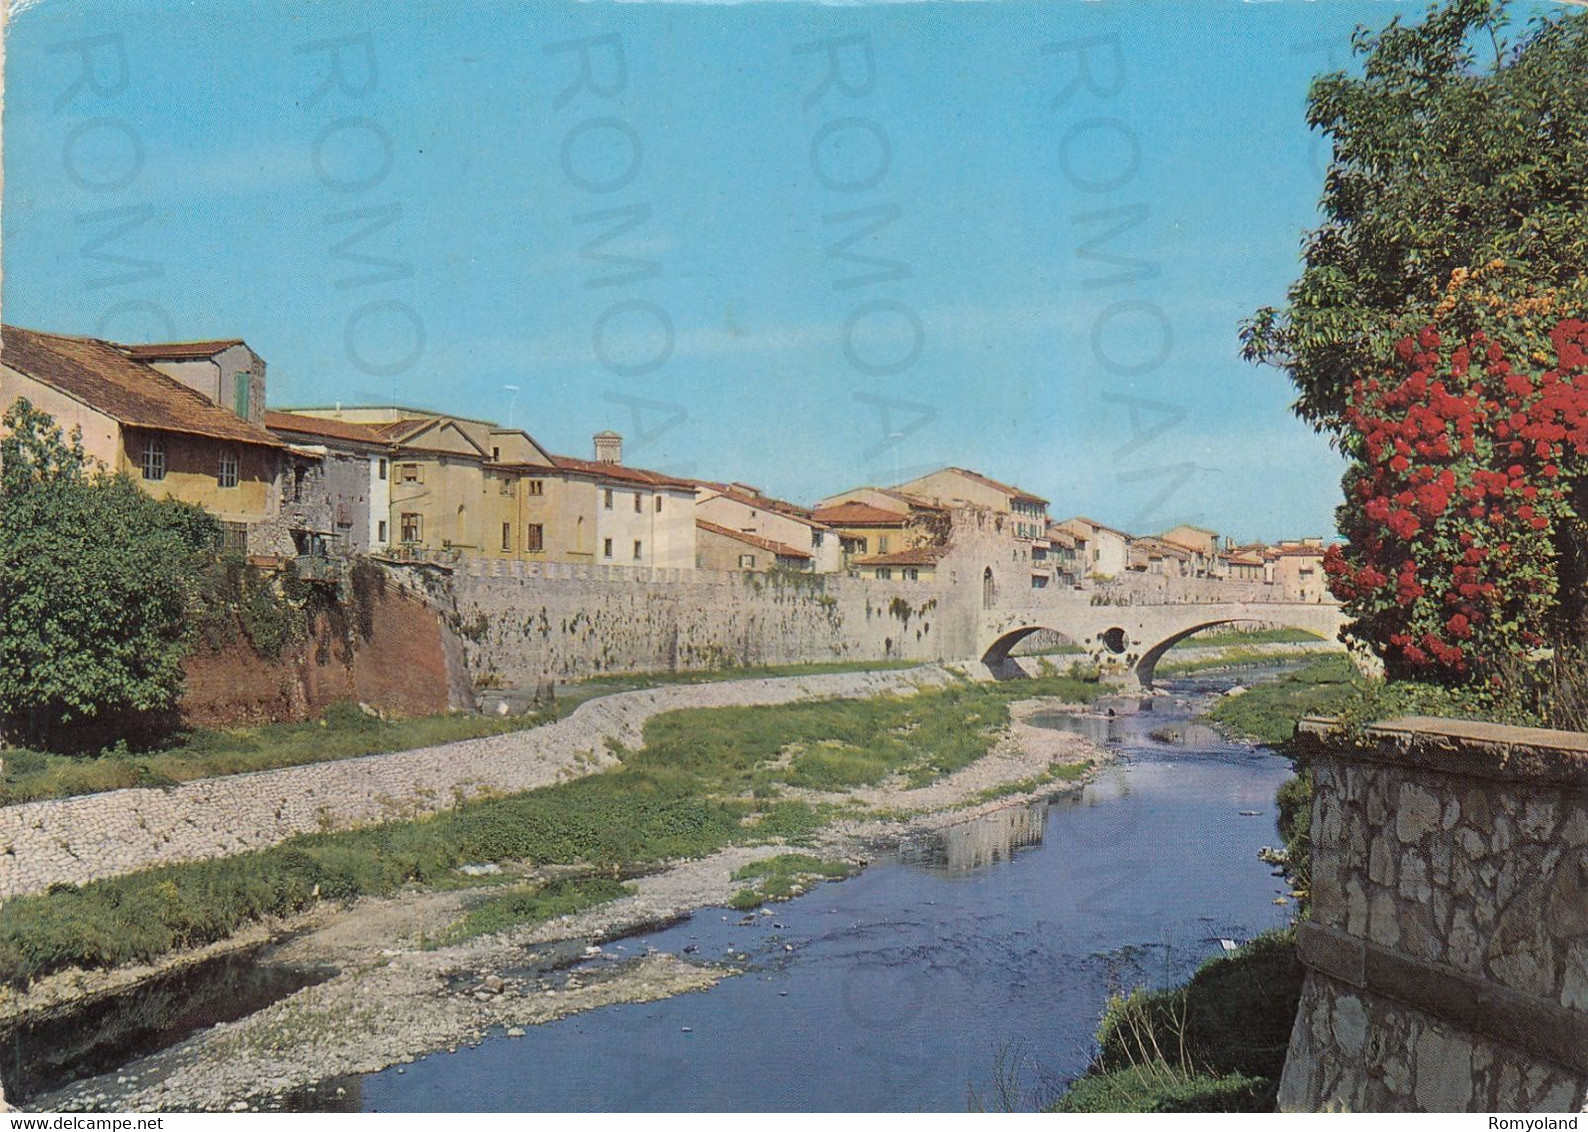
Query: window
x=507 y=536
x=884 y=574
x=534 y=538
x=413 y=527
x=606 y=499
x=882 y=544
x=380 y=531
x=411 y=473
x=240 y=394
x=911 y=574
x=507 y=485
x=636 y=550
x=639 y=502
x=299 y=474
x=152 y=462
x=381 y=466
x=606 y=545
x=226 y=474
x=234 y=538
x=537 y=487
x=747 y=562
x=496 y=453
x=658 y=504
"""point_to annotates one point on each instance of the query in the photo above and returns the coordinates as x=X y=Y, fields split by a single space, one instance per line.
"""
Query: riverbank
x=396 y=996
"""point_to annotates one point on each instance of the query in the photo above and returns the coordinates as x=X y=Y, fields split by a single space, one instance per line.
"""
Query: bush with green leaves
x=95 y=584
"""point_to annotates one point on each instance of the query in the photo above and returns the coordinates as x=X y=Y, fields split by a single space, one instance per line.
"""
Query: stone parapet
x=1448 y=952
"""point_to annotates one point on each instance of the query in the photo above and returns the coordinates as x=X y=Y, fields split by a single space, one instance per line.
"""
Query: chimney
x=608 y=448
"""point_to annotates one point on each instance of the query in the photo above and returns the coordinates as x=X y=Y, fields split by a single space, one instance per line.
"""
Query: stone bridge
x=1128 y=640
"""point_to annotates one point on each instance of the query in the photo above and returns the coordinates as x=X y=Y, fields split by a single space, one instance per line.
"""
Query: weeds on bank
x=1216 y=1044
x=784 y=877
x=533 y=904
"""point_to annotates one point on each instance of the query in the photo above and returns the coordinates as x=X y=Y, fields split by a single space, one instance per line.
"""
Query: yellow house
x=169 y=437
x=918 y=564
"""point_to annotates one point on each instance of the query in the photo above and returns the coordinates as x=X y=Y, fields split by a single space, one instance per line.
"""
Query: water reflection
x=979 y=842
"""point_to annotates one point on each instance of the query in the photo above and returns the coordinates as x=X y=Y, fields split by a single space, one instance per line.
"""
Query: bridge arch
x=1147 y=665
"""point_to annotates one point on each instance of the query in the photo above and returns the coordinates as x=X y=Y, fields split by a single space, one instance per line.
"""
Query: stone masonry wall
x=75 y=840
x=523 y=623
x=1447 y=955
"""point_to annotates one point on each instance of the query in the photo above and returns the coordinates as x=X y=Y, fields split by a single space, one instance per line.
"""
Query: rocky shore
x=394 y=999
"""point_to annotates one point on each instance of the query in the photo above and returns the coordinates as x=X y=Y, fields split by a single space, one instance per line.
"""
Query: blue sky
x=193 y=169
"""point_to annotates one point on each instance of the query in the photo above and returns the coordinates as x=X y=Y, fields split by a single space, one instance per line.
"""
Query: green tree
x=96 y=579
x=1453 y=148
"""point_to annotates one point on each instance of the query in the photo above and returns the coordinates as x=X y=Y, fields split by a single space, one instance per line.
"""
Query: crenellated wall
x=1447 y=954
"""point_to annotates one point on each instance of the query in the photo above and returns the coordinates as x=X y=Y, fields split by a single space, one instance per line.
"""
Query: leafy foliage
x=94 y=588
x=1453 y=148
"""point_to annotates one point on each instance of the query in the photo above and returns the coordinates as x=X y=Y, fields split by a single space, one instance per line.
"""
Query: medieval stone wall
x=1447 y=955
x=523 y=623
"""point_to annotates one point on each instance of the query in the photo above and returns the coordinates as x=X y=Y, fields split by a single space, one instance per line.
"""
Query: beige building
x=1159 y=557
x=170 y=436
x=1298 y=571
x=1107 y=549
x=471 y=488
x=918 y=564
x=723 y=548
x=745 y=509
x=1027 y=514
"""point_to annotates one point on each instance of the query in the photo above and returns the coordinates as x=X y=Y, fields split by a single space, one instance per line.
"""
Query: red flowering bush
x=1460 y=498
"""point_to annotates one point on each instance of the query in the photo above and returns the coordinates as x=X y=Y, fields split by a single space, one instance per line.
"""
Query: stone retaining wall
x=1447 y=956
x=73 y=840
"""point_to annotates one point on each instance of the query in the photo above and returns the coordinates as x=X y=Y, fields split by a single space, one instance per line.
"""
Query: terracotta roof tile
x=857 y=514
x=996 y=485
x=145 y=351
x=765 y=503
x=781 y=549
x=915 y=556
x=321 y=426
x=129 y=392
x=620 y=472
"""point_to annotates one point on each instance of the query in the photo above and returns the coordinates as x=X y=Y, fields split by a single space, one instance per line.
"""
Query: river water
x=983 y=953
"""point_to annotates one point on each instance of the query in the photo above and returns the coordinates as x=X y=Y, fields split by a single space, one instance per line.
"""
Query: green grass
x=1234 y=638
x=784 y=877
x=532 y=904
x=1267 y=712
x=343 y=732
x=1216 y=1044
x=705 y=779
x=1230 y=658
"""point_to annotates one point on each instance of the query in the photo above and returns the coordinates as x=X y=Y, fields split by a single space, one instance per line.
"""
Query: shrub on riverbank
x=1216 y=1044
x=534 y=904
x=784 y=877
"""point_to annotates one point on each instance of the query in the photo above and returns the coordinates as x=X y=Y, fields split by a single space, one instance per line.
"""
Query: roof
x=915 y=556
x=781 y=549
x=1300 y=552
x=1149 y=543
x=143 y=351
x=331 y=429
x=857 y=514
x=1242 y=560
x=1178 y=545
x=764 y=503
x=1093 y=523
x=1007 y=489
x=621 y=472
x=136 y=395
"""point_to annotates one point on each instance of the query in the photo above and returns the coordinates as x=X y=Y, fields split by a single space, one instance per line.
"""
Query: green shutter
x=240 y=391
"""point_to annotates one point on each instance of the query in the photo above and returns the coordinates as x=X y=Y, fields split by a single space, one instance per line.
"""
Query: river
x=995 y=944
